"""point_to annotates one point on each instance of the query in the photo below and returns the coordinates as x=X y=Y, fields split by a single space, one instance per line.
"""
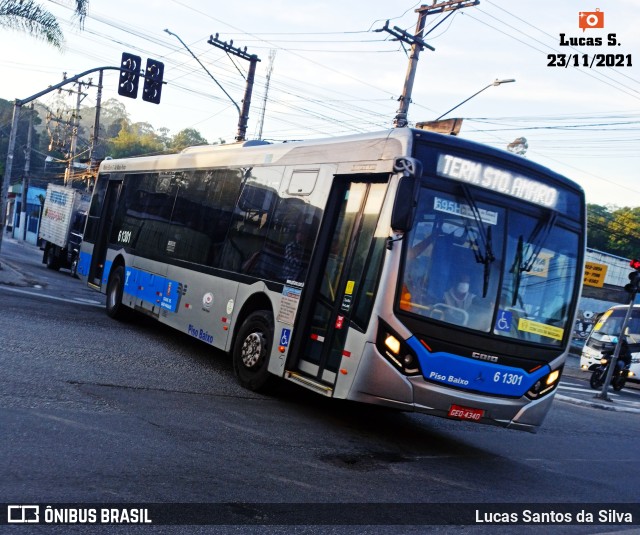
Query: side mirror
x=406 y=201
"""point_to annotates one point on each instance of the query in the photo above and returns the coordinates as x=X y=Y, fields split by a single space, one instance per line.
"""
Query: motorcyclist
x=624 y=358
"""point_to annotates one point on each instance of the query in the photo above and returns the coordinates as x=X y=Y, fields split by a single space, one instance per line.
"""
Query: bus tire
x=251 y=351
x=115 y=288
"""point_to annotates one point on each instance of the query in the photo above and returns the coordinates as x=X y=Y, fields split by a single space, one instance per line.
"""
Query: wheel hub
x=252 y=349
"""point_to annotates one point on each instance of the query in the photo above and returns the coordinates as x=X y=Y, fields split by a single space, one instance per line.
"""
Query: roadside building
x=29 y=232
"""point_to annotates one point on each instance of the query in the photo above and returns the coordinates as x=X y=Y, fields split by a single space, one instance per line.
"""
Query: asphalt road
x=96 y=411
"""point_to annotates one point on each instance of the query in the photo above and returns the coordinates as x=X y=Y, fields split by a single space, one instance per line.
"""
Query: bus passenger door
x=98 y=258
x=337 y=272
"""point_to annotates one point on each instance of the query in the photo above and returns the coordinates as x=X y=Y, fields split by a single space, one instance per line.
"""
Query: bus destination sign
x=489 y=177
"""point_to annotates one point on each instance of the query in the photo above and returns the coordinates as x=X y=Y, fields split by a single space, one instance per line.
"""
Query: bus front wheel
x=252 y=349
x=115 y=289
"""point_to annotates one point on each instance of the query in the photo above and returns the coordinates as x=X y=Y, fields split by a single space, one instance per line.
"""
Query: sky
x=333 y=73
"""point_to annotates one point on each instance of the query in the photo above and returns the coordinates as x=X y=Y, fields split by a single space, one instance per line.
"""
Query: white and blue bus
x=402 y=268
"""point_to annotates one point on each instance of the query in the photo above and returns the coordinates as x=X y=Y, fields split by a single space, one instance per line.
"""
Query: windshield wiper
x=483 y=255
x=537 y=240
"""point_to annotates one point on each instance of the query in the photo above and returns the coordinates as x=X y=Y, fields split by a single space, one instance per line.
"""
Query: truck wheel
x=52 y=259
x=115 y=288
x=251 y=351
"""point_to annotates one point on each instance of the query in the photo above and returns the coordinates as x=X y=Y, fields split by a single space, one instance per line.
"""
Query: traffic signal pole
x=632 y=288
x=17 y=106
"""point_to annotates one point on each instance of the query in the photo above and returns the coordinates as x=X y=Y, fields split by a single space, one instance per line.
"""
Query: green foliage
x=29 y=17
x=118 y=138
x=189 y=137
x=135 y=139
x=614 y=230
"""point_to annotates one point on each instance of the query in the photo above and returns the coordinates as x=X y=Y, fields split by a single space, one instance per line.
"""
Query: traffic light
x=634 y=278
x=129 y=75
x=153 y=81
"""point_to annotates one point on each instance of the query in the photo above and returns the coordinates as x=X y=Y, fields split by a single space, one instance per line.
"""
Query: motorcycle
x=619 y=377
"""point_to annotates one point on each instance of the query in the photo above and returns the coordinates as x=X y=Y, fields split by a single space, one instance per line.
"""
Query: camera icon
x=591 y=19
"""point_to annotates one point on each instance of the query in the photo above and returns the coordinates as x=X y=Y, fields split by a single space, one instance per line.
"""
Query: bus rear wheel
x=115 y=288
x=251 y=351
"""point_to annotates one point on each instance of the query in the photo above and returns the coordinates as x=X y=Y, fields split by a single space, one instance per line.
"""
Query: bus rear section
x=605 y=335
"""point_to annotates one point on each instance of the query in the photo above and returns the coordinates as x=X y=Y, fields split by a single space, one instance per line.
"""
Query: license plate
x=465 y=413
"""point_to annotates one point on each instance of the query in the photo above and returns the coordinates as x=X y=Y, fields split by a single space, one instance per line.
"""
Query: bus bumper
x=379 y=383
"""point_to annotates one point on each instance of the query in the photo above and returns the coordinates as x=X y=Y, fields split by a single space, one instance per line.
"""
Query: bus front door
x=99 y=255
x=337 y=272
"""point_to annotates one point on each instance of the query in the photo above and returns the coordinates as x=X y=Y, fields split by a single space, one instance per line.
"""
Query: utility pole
x=96 y=132
x=25 y=179
x=75 y=125
x=417 y=44
x=246 y=101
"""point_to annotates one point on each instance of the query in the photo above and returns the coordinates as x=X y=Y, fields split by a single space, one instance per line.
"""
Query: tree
x=598 y=220
x=625 y=232
x=137 y=139
x=29 y=17
x=614 y=230
x=189 y=137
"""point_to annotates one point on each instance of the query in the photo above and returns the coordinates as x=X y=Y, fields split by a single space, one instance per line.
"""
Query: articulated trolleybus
x=403 y=268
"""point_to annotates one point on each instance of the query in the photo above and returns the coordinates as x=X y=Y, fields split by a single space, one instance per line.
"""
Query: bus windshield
x=490 y=268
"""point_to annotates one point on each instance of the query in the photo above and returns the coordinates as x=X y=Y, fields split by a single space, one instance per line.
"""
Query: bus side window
x=222 y=193
x=291 y=238
x=250 y=223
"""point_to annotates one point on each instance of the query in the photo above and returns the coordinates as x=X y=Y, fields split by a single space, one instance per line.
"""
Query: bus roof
x=368 y=153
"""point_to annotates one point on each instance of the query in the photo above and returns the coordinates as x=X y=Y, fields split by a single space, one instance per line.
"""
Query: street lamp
x=494 y=83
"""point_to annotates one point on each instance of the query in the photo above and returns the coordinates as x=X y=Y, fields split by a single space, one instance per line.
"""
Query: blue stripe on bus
x=83 y=263
x=149 y=287
x=469 y=374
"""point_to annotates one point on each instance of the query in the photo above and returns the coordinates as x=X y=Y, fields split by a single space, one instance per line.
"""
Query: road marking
x=578 y=389
x=78 y=301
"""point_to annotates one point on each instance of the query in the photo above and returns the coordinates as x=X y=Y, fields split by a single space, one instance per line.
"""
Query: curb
x=596 y=404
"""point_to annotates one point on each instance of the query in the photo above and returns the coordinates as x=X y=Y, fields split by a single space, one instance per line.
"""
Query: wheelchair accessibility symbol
x=503 y=322
x=285 y=337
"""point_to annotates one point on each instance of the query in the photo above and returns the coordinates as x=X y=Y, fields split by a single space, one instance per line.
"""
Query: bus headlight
x=396 y=351
x=392 y=344
x=545 y=384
